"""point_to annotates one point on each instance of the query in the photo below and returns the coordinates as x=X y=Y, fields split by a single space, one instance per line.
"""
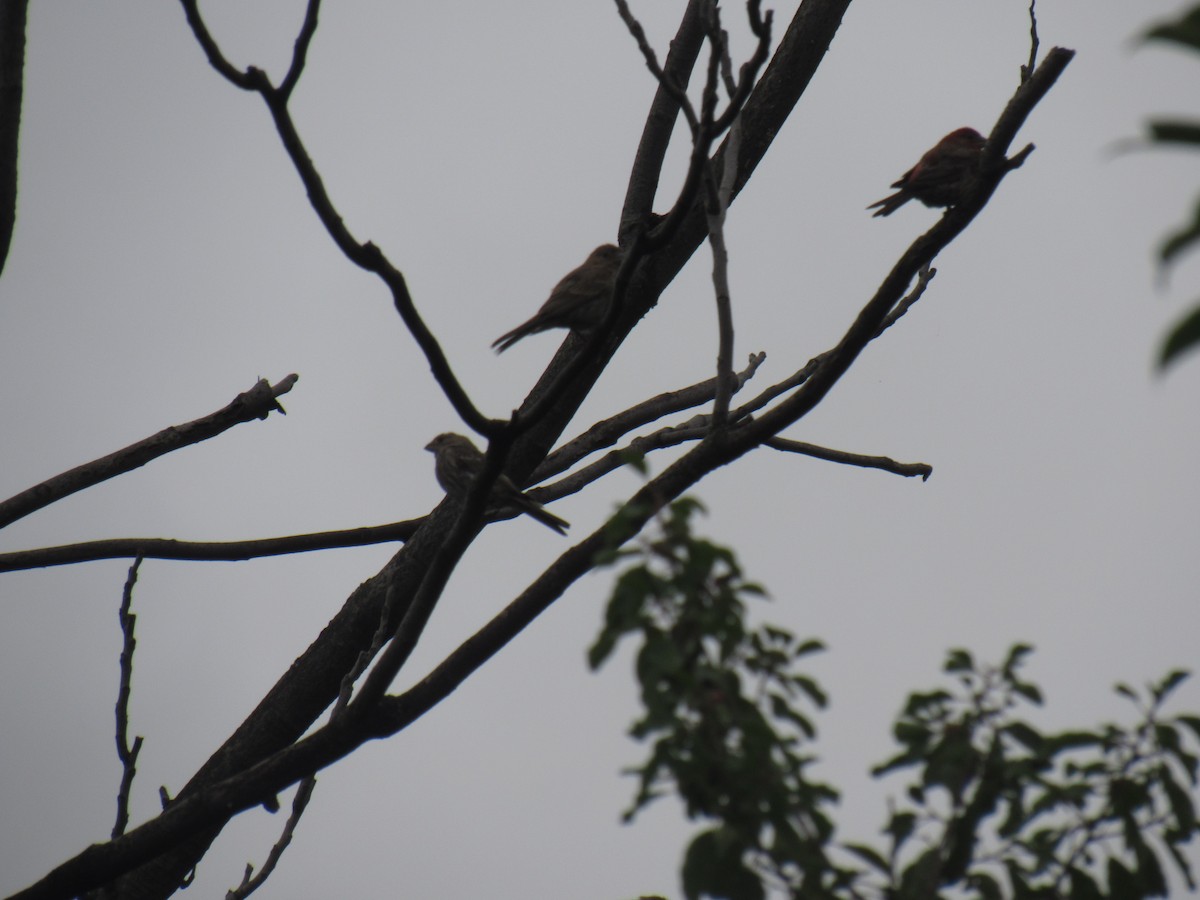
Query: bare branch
x=1027 y=70
x=364 y=255
x=672 y=89
x=208 y=801
x=215 y=57
x=250 y=882
x=13 y=16
x=206 y=551
x=719 y=197
x=923 y=278
x=126 y=754
x=608 y=431
x=695 y=429
x=644 y=179
x=885 y=463
x=760 y=25
x=300 y=50
x=256 y=403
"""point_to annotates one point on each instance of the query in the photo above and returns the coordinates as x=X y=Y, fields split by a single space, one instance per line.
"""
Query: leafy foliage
x=999 y=809
x=1183 y=32
x=723 y=709
x=994 y=807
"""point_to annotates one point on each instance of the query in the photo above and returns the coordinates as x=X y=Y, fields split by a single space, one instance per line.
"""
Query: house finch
x=457 y=462
x=942 y=174
x=578 y=302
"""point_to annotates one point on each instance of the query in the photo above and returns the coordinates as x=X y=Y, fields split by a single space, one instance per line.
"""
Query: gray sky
x=165 y=257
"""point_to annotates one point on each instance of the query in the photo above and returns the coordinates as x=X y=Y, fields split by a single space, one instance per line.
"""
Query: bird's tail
x=890 y=204
x=509 y=338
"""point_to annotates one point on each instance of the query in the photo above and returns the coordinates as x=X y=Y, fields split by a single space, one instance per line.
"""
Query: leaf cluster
x=725 y=712
x=1183 y=32
x=996 y=808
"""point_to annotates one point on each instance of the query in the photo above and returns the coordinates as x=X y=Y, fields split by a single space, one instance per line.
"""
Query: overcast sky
x=165 y=257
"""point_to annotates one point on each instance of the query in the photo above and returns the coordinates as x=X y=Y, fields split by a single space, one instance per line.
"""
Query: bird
x=456 y=463
x=941 y=176
x=578 y=302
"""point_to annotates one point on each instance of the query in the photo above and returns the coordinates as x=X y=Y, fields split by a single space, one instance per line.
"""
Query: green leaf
x=900 y=827
x=1125 y=691
x=1026 y=735
x=1083 y=886
x=1164 y=131
x=1150 y=873
x=1181 y=863
x=1173 y=679
x=870 y=856
x=1183 y=336
x=1071 y=740
x=959 y=660
x=1184 y=31
x=1180 y=240
x=1030 y=692
x=1167 y=737
x=987 y=886
x=713 y=866
x=1016 y=658
x=1192 y=723
x=1179 y=799
x=810 y=687
x=812 y=645
x=900 y=761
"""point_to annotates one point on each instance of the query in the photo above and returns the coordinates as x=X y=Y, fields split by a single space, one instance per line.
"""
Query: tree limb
x=256 y=403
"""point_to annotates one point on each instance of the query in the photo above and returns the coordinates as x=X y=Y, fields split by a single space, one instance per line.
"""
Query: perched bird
x=578 y=302
x=942 y=174
x=457 y=462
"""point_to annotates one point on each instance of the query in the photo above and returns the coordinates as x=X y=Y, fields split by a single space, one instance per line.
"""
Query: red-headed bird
x=578 y=302
x=941 y=176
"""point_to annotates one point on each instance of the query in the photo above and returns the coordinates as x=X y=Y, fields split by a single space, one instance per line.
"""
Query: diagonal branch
x=887 y=464
x=608 y=431
x=313 y=681
x=364 y=255
x=256 y=403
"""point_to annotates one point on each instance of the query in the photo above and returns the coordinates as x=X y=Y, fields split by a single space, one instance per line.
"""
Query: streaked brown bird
x=941 y=176
x=456 y=463
x=578 y=302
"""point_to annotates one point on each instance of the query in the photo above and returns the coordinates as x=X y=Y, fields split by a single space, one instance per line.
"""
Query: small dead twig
x=126 y=754
x=256 y=403
x=887 y=464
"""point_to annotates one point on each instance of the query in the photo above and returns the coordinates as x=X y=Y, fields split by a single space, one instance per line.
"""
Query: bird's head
x=447 y=440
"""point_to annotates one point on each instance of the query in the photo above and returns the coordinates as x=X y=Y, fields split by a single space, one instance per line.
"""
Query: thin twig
x=923 y=278
x=250 y=881
x=300 y=50
x=887 y=464
x=256 y=403
x=206 y=551
x=126 y=754
x=607 y=432
x=1027 y=70
x=677 y=93
x=365 y=255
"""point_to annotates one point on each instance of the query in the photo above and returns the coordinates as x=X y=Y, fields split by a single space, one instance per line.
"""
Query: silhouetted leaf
x=713 y=867
x=1165 y=131
x=870 y=856
x=1184 y=31
x=1030 y=692
x=959 y=660
x=1173 y=679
